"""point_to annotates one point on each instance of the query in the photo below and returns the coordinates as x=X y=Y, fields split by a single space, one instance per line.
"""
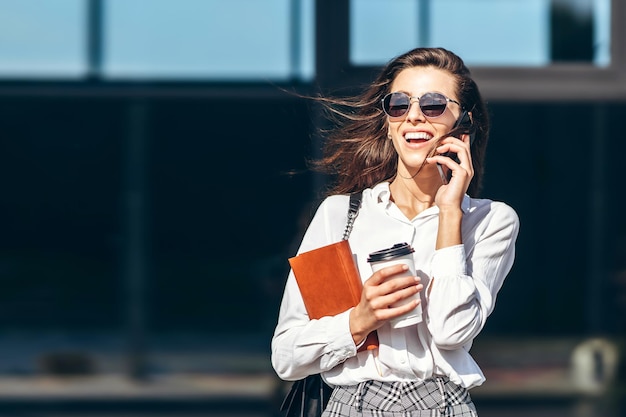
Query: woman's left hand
x=451 y=194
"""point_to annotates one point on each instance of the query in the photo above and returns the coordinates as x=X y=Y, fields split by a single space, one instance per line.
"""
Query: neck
x=413 y=196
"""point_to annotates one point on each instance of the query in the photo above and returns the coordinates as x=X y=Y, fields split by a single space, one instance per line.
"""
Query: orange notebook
x=329 y=282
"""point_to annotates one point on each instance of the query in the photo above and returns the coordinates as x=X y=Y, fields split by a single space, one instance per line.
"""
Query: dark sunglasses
x=431 y=104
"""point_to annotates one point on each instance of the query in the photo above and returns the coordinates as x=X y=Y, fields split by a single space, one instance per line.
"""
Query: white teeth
x=417 y=135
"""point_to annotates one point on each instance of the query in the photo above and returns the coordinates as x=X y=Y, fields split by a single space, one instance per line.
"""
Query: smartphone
x=462 y=126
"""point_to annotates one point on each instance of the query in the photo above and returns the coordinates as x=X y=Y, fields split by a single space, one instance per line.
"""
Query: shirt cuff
x=341 y=340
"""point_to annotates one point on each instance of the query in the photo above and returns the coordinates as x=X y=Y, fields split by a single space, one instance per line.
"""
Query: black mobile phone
x=462 y=126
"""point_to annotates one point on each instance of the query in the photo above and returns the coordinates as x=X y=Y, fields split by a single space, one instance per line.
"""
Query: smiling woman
x=413 y=140
x=387 y=148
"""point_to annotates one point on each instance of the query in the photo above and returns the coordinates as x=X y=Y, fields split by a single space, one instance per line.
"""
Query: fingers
x=387 y=294
x=394 y=300
x=462 y=166
x=385 y=288
x=382 y=274
x=460 y=147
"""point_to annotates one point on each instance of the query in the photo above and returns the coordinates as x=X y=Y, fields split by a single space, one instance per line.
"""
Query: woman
x=391 y=147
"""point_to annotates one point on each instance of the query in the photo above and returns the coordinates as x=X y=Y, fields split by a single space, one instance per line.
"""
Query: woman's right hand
x=378 y=297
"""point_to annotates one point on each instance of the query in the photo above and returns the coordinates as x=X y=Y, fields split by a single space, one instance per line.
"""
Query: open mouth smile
x=417 y=137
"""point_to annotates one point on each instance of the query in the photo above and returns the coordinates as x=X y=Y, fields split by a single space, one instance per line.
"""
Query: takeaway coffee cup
x=400 y=253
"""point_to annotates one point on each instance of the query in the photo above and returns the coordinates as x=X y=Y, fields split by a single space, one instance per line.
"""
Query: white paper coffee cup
x=400 y=253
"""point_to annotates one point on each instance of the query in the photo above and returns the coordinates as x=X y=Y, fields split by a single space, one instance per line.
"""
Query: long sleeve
x=300 y=346
x=463 y=288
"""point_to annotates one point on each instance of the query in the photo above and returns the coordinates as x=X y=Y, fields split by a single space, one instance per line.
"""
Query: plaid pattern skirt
x=434 y=397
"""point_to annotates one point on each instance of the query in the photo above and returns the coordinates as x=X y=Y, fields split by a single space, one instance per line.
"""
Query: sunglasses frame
x=416 y=98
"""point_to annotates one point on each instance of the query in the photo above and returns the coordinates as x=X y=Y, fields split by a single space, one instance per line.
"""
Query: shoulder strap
x=355 y=204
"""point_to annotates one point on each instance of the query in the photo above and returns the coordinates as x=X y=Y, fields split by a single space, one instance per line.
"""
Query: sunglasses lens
x=396 y=104
x=433 y=104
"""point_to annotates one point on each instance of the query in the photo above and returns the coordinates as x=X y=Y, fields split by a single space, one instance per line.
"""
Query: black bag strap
x=353 y=211
x=309 y=396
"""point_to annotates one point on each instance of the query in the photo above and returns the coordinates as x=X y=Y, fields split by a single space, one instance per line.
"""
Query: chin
x=414 y=163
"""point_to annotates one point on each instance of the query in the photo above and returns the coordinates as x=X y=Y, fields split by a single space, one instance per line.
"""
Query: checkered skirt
x=435 y=397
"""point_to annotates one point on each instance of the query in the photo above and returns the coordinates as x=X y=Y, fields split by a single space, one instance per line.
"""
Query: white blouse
x=455 y=308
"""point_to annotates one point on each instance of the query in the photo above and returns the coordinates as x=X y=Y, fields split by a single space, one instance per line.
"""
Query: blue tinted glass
x=43 y=39
x=483 y=32
x=209 y=39
x=602 y=32
x=502 y=32
x=382 y=29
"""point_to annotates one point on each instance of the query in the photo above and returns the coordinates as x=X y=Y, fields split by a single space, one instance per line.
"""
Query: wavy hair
x=356 y=151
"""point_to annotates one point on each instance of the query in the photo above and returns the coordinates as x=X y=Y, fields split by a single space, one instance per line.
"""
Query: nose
x=415 y=112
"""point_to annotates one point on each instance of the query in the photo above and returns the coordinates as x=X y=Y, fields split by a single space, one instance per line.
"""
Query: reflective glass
x=209 y=39
x=527 y=33
x=43 y=39
x=382 y=29
x=602 y=32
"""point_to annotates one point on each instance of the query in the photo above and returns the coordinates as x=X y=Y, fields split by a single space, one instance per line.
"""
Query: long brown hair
x=356 y=151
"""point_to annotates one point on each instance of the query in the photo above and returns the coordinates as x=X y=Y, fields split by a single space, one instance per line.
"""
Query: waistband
x=437 y=393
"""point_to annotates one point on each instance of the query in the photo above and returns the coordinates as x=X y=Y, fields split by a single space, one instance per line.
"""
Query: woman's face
x=414 y=134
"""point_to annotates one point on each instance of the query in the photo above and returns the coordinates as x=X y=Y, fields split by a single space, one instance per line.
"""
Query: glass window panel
x=602 y=32
x=488 y=32
x=43 y=38
x=307 y=40
x=380 y=29
x=238 y=39
x=483 y=32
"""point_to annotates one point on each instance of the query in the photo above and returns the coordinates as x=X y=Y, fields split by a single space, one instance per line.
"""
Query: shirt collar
x=381 y=195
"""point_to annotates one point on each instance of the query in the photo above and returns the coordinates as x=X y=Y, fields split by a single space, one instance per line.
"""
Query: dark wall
x=61 y=167
x=556 y=165
x=223 y=207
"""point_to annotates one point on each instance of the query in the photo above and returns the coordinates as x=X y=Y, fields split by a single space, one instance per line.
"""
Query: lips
x=417 y=137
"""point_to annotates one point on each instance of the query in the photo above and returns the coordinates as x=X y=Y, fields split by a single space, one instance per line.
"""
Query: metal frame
x=565 y=81
x=557 y=82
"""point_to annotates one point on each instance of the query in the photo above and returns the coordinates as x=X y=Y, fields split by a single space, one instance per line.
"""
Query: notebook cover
x=329 y=282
